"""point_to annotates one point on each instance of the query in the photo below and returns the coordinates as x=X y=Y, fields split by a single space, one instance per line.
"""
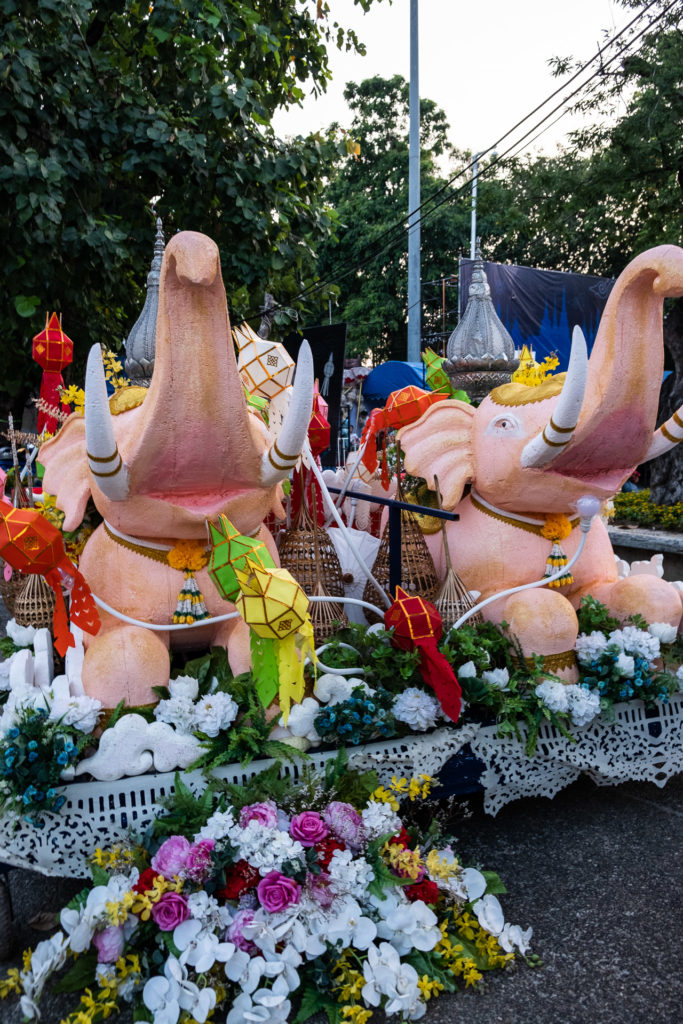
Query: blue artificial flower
x=32 y=756
x=29 y=794
x=32 y=745
x=62 y=758
x=13 y=733
x=59 y=802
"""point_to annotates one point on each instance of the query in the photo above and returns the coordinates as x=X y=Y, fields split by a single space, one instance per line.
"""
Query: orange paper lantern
x=52 y=350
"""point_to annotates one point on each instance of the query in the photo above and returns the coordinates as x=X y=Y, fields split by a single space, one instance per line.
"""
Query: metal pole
x=414 y=312
x=473 y=233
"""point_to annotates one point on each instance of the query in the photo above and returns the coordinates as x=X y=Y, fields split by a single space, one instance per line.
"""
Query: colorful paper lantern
x=402 y=407
x=319 y=427
x=30 y=544
x=266 y=367
x=275 y=607
x=417 y=624
x=230 y=550
x=52 y=350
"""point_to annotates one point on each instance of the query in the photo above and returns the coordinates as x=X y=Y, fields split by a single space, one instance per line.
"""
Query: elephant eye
x=506 y=425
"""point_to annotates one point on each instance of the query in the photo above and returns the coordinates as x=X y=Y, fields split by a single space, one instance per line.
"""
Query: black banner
x=328 y=345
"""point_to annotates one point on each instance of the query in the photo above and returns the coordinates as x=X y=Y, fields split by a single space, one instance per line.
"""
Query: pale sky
x=484 y=62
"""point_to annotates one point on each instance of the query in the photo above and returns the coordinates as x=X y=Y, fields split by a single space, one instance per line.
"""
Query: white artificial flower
x=184 y=686
x=178 y=712
x=625 y=665
x=636 y=641
x=474 y=883
x=208 y=910
x=301 y=719
x=584 y=705
x=499 y=678
x=349 y=927
x=410 y=926
x=263 y=1007
x=417 y=709
x=467 y=671
x=200 y=947
x=379 y=820
x=80 y=925
x=214 y=712
x=512 y=937
x=665 y=633
x=23 y=636
x=198 y=1002
x=590 y=646
x=489 y=914
x=160 y=996
x=385 y=975
x=349 y=875
x=331 y=688
x=265 y=848
x=82 y=711
x=553 y=695
x=48 y=956
x=217 y=827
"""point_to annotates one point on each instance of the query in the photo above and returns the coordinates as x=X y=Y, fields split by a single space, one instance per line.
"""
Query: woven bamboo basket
x=417 y=567
x=9 y=589
x=35 y=603
x=308 y=553
x=453 y=599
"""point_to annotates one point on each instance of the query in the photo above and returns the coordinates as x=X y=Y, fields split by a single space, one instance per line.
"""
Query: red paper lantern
x=31 y=544
x=319 y=427
x=52 y=350
x=417 y=624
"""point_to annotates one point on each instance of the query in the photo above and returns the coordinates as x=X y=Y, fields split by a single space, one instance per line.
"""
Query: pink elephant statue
x=161 y=467
x=529 y=454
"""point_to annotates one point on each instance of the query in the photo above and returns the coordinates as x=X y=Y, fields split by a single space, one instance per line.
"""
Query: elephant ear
x=440 y=444
x=66 y=470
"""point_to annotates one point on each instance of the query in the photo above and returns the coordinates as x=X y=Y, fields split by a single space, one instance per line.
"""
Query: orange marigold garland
x=556 y=528
x=189 y=556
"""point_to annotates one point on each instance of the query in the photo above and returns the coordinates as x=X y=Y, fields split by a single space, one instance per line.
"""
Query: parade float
x=234 y=761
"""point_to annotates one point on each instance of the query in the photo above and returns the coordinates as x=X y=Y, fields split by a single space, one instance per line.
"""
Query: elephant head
x=191 y=449
x=538 y=449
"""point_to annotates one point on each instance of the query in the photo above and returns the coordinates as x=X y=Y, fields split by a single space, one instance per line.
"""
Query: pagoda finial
x=141 y=342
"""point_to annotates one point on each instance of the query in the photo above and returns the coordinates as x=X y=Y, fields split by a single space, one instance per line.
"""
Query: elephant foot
x=545 y=624
x=235 y=636
x=649 y=596
x=124 y=663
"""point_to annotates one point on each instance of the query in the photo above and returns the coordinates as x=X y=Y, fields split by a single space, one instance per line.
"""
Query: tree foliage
x=107 y=106
x=370 y=196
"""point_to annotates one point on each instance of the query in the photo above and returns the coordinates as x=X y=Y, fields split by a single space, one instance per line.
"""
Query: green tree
x=367 y=261
x=107 y=106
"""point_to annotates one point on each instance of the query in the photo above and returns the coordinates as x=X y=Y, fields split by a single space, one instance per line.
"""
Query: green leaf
x=26 y=305
x=80 y=976
x=494 y=883
x=99 y=875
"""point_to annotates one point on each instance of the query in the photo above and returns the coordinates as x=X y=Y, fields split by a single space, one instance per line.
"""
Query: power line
x=396 y=231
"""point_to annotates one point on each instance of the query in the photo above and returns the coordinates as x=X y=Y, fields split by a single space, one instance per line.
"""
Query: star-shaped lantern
x=30 y=544
x=230 y=550
x=417 y=625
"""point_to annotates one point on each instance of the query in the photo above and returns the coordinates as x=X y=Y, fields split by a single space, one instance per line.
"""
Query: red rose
x=402 y=839
x=145 y=881
x=239 y=878
x=325 y=848
x=426 y=891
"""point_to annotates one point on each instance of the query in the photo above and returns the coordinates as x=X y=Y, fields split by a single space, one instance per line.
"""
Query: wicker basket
x=418 y=575
x=35 y=603
x=308 y=553
x=9 y=589
x=453 y=599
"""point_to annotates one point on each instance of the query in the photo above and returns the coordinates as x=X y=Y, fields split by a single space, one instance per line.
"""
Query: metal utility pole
x=473 y=233
x=414 y=302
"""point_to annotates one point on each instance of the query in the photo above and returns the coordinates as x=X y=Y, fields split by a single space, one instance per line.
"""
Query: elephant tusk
x=105 y=462
x=667 y=437
x=560 y=428
x=279 y=460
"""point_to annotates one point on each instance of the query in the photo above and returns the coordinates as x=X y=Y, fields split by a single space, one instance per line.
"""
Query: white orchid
x=197 y=1002
x=263 y=1007
x=80 y=925
x=160 y=996
x=411 y=926
x=349 y=927
x=490 y=914
x=385 y=975
x=48 y=956
x=201 y=948
x=512 y=937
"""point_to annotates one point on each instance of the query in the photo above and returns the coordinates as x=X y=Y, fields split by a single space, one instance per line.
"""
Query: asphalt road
x=594 y=871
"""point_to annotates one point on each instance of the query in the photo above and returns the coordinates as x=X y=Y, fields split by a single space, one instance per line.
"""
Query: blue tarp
x=392 y=376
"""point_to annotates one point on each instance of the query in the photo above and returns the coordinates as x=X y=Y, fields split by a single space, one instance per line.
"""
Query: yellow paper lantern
x=271 y=601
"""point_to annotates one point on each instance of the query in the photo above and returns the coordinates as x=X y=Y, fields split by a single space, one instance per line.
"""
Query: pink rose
x=308 y=827
x=109 y=944
x=276 y=892
x=170 y=911
x=198 y=865
x=169 y=860
x=236 y=931
x=265 y=813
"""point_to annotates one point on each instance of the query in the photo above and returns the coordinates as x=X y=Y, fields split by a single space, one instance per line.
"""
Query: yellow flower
x=429 y=987
x=407 y=863
x=420 y=788
x=556 y=527
x=440 y=867
x=384 y=796
x=356 y=1014
x=26 y=959
x=10 y=984
x=188 y=556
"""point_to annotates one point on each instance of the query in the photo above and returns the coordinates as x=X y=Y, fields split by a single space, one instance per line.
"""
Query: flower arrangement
x=33 y=754
x=273 y=903
x=637 y=507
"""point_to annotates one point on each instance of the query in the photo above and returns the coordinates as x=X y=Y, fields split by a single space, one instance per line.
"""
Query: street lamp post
x=414 y=312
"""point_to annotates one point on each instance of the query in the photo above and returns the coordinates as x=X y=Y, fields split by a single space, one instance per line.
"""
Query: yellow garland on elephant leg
x=189 y=556
x=292 y=652
x=555 y=529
